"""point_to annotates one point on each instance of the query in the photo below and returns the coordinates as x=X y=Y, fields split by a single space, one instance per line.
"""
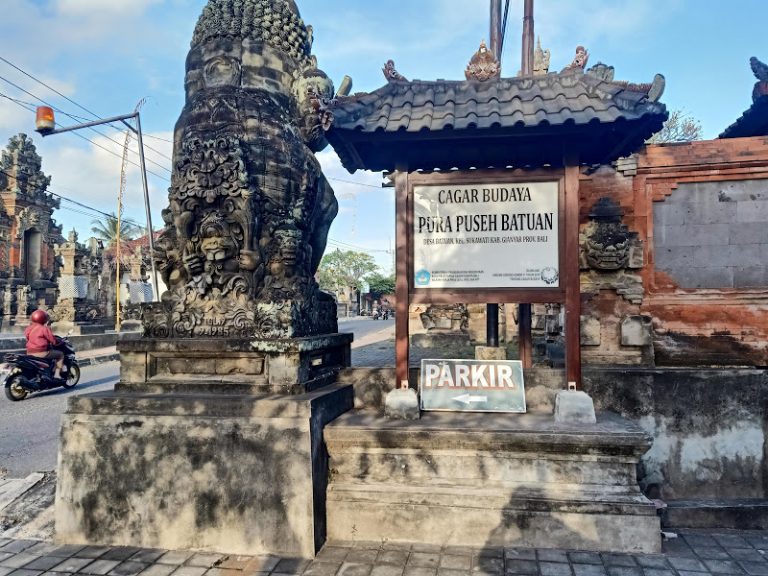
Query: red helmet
x=39 y=317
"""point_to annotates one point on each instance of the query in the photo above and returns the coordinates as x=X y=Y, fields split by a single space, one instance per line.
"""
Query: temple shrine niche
x=28 y=234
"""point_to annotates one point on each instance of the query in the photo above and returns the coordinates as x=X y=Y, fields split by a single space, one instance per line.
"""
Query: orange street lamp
x=45 y=125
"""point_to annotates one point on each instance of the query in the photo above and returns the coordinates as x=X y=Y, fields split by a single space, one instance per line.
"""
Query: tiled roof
x=754 y=122
x=559 y=103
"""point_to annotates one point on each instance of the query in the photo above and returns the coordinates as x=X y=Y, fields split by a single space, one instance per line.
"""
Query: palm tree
x=106 y=229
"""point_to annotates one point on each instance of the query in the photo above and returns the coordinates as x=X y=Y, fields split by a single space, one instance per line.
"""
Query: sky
x=107 y=55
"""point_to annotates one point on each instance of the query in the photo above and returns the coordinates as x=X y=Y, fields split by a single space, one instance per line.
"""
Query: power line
x=68 y=99
x=93 y=129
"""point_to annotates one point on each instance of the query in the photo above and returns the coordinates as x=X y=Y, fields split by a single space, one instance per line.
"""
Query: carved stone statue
x=483 y=66
x=579 y=60
x=540 y=60
x=249 y=208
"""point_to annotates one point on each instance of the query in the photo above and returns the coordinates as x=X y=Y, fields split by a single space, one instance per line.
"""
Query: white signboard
x=486 y=236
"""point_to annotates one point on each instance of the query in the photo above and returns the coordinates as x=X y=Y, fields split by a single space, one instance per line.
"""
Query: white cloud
x=102 y=8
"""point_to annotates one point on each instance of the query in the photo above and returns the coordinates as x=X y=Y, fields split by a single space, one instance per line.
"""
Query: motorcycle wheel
x=73 y=376
x=14 y=391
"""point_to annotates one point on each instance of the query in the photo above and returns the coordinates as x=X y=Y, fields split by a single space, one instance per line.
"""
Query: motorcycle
x=23 y=375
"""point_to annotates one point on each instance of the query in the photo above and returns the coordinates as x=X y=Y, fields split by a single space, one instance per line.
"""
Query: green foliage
x=106 y=229
x=380 y=285
x=680 y=127
x=339 y=270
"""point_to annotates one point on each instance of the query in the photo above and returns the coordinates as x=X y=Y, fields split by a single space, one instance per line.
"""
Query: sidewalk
x=693 y=553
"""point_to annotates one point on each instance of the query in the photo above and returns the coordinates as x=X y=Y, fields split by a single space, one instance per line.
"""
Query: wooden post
x=526 y=67
x=496 y=31
x=524 y=339
x=572 y=273
x=403 y=280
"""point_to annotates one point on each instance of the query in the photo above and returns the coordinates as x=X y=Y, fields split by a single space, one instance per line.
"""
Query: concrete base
x=226 y=473
x=490 y=353
x=574 y=407
x=402 y=404
x=458 y=479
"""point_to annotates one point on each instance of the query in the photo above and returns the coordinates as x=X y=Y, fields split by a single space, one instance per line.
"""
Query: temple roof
x=754 y=121
x=501 y=122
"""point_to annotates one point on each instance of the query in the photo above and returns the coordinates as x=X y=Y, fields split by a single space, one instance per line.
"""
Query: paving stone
x=713 y=553
x=333 y=553
x=216 y=571
x=72 y=564
x=18 y=560
x=618 y=560
x=657 y=572
x=588 y=570
x=292 y=565
x=43 y=563
x=204 y=560
x=354 y=569
x=5 y=556
x=426 y=548
x=396 y=546
x=148 y=555
x=419 y=571
x=100 y=567
x=731 y=541
x=651 y=561
x=624 y=571
x=322 y=568
x=585 y=558
x=264 y=563
x=488 y=564
x=5 y=571
x=16 y=546
x=676 y=547
x=460 y=551
x=424 y=559
x=452 y=572
x=522 y=567
x=190 y=571
x=367 y=546
x=687 y=573
x=699 y=540
x=546 y=555
x=66 y=550
x=489 y=552
x=94 y=552
x=554 y=569
x=158 y=570
x=128 y=568
x=120 y=553
x=520 y=553
x=689 y=564
x=175 y=557
x=356 y=556
x=755 y=568
x=387 y=570
x=746 y=554
x=723 y=567
x=25 y=572
x=42 y=548
x=397 y=557
x=758 y=541
x=456 y=562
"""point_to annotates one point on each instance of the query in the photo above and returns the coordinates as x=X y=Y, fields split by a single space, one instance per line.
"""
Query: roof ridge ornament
x=761 y=73
x=391 y=74
x=483 y=66
x=579 y=60
x=540 y=60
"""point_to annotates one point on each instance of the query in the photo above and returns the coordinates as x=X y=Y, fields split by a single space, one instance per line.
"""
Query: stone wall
x=700 y=212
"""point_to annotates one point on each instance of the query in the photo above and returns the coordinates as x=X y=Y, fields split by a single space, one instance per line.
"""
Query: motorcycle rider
x=40 y=339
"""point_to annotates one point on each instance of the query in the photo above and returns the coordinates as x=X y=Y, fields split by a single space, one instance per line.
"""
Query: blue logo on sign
x=423 y=277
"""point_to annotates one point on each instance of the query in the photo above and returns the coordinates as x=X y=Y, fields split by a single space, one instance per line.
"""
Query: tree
x=380 y=285
x=339 y=270
x=681 y=127
x=106 y=229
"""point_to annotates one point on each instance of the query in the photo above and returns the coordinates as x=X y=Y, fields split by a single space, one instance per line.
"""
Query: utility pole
x=526 y=66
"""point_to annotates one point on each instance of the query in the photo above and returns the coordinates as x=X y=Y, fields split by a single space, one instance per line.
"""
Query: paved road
x=29 y=430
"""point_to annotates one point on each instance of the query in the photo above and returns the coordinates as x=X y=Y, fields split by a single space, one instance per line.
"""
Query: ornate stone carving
x=761 y=73
x=540 y=60
x=446 y=318
x=608 y=250
x=32 y=217
x=8 y=301
x=249 y=209
x=391 y=74
x=579 y=60
x=21 y=161
x=483 y=66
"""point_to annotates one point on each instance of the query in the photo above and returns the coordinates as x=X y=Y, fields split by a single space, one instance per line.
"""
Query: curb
x=93 y=360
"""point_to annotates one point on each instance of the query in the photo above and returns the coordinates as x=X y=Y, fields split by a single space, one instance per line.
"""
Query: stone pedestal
x=459 y=479
x=226 y=473
x=205 y=444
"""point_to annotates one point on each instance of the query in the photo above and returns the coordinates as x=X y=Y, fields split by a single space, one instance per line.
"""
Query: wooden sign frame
x=567 y=293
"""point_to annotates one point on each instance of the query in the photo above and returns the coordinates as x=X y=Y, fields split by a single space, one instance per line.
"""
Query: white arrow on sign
x=469 y=399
